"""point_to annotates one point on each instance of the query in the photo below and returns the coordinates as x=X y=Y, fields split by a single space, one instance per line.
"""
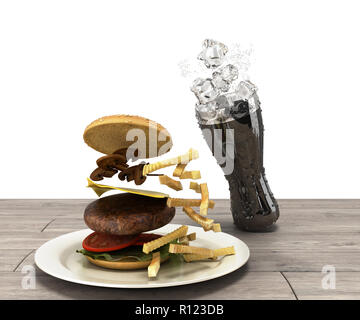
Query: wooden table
x=284 y=264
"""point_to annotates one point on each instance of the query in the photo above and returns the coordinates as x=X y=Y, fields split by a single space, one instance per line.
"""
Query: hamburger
x=123 y=222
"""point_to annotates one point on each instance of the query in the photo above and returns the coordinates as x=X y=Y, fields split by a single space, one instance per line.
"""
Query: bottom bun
x=121 y=265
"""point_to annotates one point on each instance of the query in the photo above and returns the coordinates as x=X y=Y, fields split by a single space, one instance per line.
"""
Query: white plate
x=59 y=259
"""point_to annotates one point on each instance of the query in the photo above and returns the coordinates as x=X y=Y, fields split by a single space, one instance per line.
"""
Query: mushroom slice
x=99 y=174
x=112 y=161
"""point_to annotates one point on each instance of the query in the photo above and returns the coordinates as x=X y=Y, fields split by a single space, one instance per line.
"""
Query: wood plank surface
x=237 y=285
x=309 y=235
x=308 y=286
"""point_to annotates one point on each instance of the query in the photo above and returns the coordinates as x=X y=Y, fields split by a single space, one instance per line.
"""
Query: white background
x=65 y=63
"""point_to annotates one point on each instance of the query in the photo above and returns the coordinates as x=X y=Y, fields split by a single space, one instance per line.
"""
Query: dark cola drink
x=236 y=142
x=228 y=112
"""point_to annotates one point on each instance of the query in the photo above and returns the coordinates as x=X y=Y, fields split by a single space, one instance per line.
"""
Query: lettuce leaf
x=132 y=253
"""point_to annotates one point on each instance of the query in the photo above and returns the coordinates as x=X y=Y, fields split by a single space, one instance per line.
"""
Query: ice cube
x=204 y=90
x=246 y=89
x=207 y=111
x=213 y=53
x=231 y=98
x=223 y=114
x=223 y=77
x=223 y=101
x=220 y=83
x=229 y=73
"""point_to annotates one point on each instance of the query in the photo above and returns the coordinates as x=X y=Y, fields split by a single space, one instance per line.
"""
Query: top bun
x=114 y=133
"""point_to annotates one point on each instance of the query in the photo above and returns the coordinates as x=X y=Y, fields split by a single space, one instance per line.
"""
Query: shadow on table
x=211 y=289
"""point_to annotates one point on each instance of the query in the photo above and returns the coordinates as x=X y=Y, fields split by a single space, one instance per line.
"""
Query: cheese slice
x=101 y=189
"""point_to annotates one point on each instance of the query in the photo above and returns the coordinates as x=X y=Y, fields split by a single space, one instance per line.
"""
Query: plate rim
x=39 y=264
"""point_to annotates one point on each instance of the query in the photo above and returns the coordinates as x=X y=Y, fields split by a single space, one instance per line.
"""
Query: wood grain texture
x=237 y=285
x=308 y=286
x=309 y=234
x=11 y=258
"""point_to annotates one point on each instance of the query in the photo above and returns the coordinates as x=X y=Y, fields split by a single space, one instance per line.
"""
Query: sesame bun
x=122 y=265
x=109 y=134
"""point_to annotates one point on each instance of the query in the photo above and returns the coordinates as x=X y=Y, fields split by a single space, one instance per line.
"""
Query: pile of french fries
x=180 y=236
x=179 y=244
x=204 y=203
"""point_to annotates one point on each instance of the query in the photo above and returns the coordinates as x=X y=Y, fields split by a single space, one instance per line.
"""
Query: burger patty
x=127 y=214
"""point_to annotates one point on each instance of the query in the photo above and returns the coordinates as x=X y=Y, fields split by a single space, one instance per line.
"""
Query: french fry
x=157 y=243
x=171 y=183
x=178 y=248
x=216 y=227
x=195 y=174
x=179 y=202
x=217 y=253
x=206 y=223
x=184 y=242
x=204 y=205
x=195 y=186
x=188 y=257
x=179 y=169
x=154 y=266
x=187 y=238
x=224 y=251
x=191 y=236
x=185 y=158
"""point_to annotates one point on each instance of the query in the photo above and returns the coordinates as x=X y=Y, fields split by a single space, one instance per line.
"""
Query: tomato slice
x=102 y=242
x=146 y=237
